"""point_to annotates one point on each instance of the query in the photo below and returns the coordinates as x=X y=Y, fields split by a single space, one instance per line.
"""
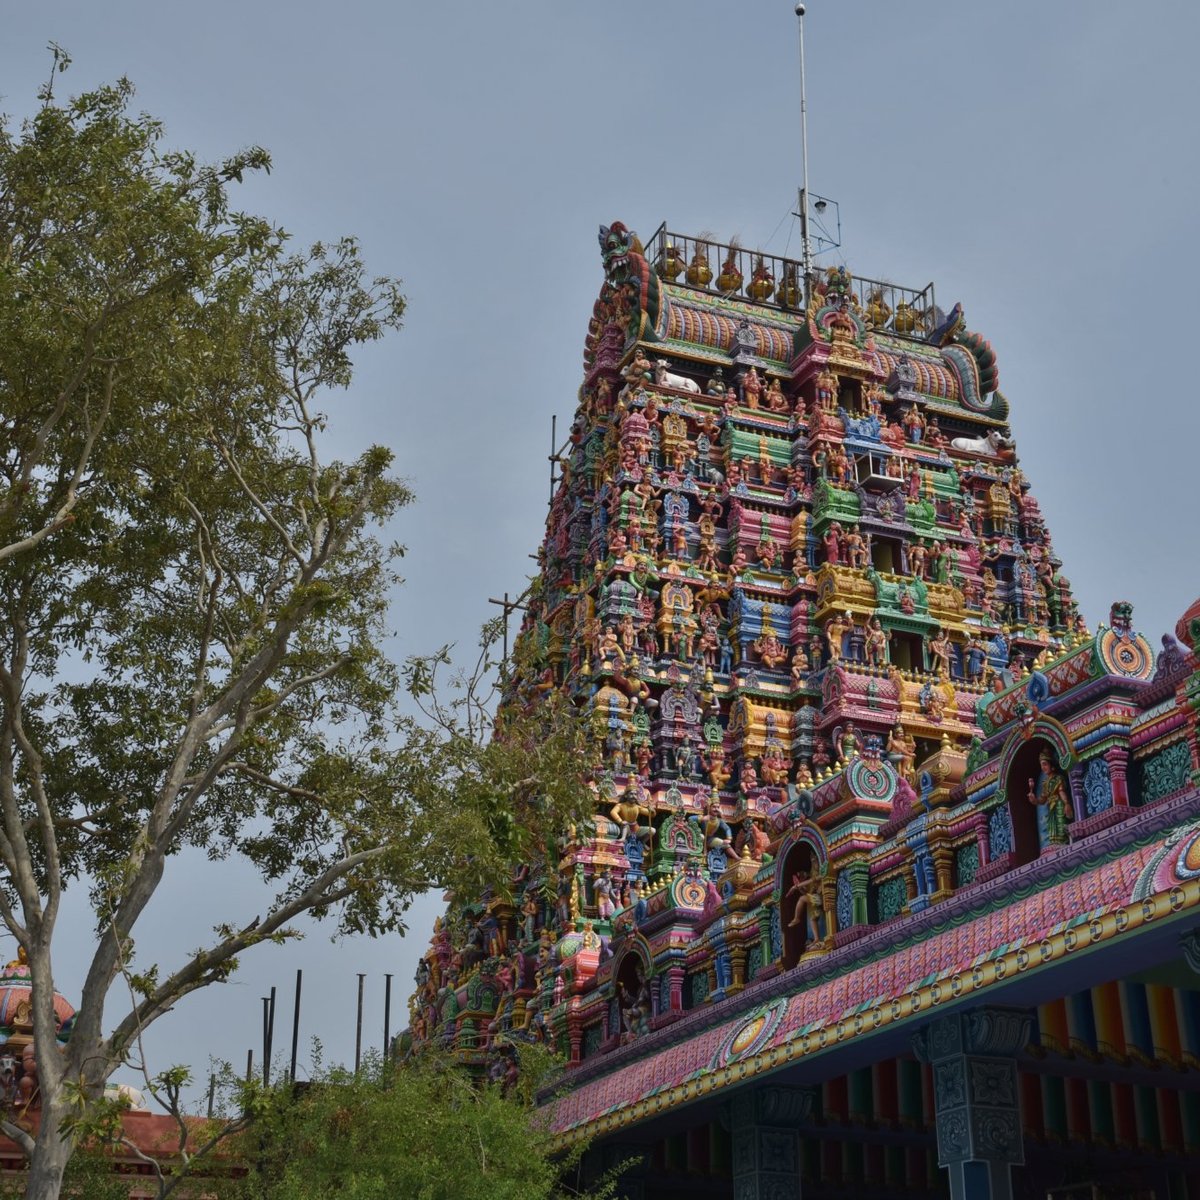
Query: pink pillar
x=983 y=835
x=675 y=976
x=1117 y=759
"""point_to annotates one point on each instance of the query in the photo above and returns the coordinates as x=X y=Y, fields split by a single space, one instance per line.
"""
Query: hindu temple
x=893 y=883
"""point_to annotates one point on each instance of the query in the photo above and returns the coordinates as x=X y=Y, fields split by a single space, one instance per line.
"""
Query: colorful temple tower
x=894 y=863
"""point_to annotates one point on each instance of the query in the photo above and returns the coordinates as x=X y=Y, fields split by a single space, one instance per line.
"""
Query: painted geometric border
x=966 y=960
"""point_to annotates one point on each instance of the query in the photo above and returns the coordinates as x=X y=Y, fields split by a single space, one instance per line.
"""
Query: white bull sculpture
x=993 y=444
x=132 y=1097
x=665 y=378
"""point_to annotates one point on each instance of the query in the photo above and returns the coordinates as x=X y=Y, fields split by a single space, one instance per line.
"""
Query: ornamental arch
x=801 y=852
x=1019 y=769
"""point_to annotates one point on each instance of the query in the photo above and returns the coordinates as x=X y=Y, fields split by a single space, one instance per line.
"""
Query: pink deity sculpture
x=751 y=388
x=833 y=544
x=774 y=768
x=769 y=649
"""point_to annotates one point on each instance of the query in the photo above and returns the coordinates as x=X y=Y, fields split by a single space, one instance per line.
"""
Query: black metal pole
x=358 y=1031
x=212 y=1091
x=249 y=1075
x=296 y=1024
x=387 y=1017
x=266 y=1061
x=270 y=1033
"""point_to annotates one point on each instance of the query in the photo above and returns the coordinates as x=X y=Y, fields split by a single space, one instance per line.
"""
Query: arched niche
x=631 y=980
x=1019 y=766
x=801 y=852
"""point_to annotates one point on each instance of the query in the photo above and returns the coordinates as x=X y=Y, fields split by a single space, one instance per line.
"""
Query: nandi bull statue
x=995 y=445
x=665 y=378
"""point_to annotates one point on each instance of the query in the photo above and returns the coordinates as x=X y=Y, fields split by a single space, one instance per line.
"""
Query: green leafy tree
x=193 y=601
x=425 y=1131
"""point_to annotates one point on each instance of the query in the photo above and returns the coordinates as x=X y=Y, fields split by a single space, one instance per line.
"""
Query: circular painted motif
x=872 y=782
x=1126 y=655
x=751 y=1035
x=690 y=894
x=747 y=1035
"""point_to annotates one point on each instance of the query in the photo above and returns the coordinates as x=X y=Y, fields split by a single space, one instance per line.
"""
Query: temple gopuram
x=893 y=883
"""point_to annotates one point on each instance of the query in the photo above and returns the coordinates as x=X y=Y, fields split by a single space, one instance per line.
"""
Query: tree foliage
x=194 y=600
x=424 y=1131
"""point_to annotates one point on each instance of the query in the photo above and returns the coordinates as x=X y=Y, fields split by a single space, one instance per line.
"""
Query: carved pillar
x=943 y=869
x=829 y=900
x=1118 y=760
x=974 y=1060
x=984 y=836
x=676 y=977
x=766 y=1141
x=859 y=872
x=1076 y=790
x=738 y=956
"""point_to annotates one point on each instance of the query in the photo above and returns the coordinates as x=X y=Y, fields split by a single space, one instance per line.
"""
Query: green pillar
x=860 y=875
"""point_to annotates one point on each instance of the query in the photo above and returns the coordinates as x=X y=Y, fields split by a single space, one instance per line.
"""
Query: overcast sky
x=1038 y=162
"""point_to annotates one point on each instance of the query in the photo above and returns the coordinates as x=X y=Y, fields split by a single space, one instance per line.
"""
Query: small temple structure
x=894 y=875
x=145 y=1137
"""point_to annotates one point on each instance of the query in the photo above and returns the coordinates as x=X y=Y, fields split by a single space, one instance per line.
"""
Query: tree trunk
x=50 y=1157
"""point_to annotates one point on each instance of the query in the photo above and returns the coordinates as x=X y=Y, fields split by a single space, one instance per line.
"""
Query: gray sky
x=1038 y=161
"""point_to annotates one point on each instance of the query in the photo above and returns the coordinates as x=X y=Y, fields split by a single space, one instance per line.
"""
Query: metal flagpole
x=296 y=1024
x=387 y=1016
x=266 y=1057
x=806 y=241
x=358 y=1032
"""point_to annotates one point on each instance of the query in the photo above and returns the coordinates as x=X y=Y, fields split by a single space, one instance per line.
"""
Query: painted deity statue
x=774 y=397
x=940 y=650
x=1048 y=792
x=639 y=372
x=753 y=838
x=846 y=742
x=856 y=548
x=834 y=543
x=602 y=889
x=827 y=390
x=751 y=388
x=769 y=649
x=914 y=423
x=714 y=764
x=810 y=906
x=902 y=751
x=876 y=644
x=774 y=767
x=800 y=667
x=718 y=837
x=625 y=814
x=835 y=629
